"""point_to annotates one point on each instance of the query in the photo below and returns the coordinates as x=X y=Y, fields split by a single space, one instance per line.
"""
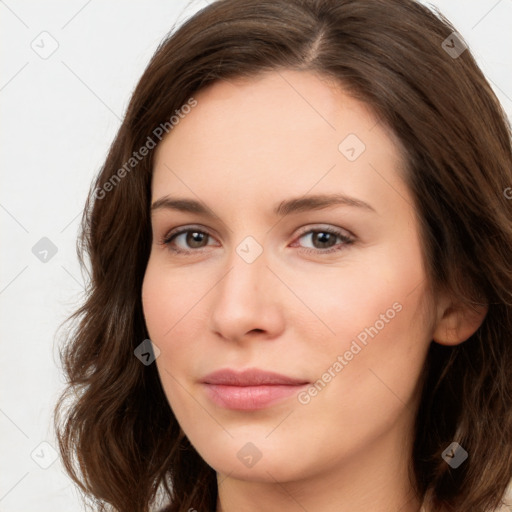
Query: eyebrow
x=287 y=207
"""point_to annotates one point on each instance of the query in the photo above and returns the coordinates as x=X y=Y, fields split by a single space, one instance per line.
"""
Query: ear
x=457 y=322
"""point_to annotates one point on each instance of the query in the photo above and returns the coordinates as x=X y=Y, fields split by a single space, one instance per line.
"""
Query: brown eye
x=195 y=239
x=186 y=240
x=325 y=240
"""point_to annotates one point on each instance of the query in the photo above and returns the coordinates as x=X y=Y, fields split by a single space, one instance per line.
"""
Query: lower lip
x=250 y=397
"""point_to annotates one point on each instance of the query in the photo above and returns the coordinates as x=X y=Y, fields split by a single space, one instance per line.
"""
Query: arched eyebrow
x=318 y=202
x=286 y=207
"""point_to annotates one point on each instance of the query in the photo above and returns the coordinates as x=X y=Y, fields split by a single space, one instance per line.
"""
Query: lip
x=249 y=389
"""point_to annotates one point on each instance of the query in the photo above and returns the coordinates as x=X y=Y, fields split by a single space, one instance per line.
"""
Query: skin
x=247 y=146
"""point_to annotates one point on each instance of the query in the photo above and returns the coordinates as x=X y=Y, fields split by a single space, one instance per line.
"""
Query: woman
x=306 y=211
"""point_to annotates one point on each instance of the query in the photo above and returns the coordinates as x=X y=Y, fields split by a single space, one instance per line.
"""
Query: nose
x=247 y=303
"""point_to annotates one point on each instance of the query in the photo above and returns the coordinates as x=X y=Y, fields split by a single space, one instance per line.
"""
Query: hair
x=118 y=437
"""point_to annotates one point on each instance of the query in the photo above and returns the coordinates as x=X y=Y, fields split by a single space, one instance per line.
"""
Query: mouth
x=250 y=389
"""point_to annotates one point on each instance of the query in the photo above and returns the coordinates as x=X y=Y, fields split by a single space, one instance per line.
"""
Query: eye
x=322 y=240
x=325 y=240
x=186 y=240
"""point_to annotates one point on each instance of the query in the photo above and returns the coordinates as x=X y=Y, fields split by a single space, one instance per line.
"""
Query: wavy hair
x=118 y=437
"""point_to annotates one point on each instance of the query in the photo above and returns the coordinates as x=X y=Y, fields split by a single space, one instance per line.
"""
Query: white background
x=58 y=118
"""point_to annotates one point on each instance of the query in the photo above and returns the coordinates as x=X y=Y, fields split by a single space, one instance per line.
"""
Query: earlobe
x=458 y=323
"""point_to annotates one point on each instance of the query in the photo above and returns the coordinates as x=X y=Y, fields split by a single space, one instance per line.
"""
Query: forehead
x=283 y=131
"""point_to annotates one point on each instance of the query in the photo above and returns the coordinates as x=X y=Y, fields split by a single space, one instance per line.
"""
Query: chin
x=245 y=461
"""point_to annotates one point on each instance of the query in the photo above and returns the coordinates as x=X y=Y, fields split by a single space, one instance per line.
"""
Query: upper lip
x=250 y=377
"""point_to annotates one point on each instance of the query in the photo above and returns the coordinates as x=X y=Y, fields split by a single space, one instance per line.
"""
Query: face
x=285 y=241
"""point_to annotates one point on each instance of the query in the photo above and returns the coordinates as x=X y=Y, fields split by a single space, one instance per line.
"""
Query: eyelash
x=346 y=240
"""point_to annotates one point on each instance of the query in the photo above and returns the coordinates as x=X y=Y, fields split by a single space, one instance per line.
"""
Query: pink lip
x=250 y=389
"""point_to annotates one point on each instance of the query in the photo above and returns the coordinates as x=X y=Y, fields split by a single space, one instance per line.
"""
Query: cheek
x=168 y=305
x=382 y=337
x=375 y=310
x=370 y=292
x=156 y=297
x=176 y=316
x=168 y=296
x=163 y=299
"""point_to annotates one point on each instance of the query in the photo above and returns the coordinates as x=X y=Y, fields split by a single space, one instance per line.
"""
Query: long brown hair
x=118 y=436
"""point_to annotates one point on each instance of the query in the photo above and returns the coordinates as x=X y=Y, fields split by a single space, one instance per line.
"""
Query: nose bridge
x=246 y=278
x=243 y=301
